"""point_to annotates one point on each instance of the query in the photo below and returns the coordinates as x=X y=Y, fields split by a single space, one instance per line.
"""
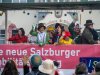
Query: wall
x=95 y=16
x=23 y=19
x=26 y=21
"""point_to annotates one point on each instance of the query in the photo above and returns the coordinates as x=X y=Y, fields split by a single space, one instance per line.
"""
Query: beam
x=51 y=6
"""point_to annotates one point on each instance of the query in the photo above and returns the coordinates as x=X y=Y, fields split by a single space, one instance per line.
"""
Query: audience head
x=10 y=68
x=35 y=60
x=47 y=67
x=97 y=67
x=21 y=32
x=81 y=68
x=41 y=27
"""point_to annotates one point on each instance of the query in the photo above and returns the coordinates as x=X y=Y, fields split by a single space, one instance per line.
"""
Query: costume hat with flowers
x=35 y=60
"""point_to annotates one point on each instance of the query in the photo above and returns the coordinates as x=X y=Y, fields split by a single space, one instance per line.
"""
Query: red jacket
x=18 y=39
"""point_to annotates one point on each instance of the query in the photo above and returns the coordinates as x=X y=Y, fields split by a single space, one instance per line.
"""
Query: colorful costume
x=65 y=39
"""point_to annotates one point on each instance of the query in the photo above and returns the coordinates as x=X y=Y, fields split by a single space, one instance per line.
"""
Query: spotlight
x=65 y=14
x=90 y=12
x=35 y=16
x=74 y=14
x=57 y=12
x=24 y=11
x=43 y=16
x=28 y=13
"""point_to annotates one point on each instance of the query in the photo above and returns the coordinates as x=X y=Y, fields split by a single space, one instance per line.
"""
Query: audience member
x=81 y=69
x=47 y=67
x=10 y=68
x=97 y=69
x=35 y=61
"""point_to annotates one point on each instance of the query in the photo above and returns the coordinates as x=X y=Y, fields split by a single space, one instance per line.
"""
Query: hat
x=50 y=28
x=88 y=22
x=47 y=66
x=35 y=60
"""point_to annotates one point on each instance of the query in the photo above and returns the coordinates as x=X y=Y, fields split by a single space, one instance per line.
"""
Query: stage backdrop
x=67 y=55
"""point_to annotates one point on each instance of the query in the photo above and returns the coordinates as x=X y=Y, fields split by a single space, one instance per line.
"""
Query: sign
x=67 y=55
x=90 y=62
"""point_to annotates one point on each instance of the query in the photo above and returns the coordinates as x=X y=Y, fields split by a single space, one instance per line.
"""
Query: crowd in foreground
x=58 y=35
x=45 y=67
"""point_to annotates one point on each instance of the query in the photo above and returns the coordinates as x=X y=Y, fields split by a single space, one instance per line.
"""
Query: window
x=23 y=1
x=30 y=1
x=48 y=0
x=66 y=0
x=91 y=0
x=2 y=36
x=0 y=1
x=55 y=0
x=15 y=1
x=42 y=1
x=6 y=1
x=84 y=0
x=61 y=1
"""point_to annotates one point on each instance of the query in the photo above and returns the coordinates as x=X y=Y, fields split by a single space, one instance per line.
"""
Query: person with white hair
x=75 y=30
